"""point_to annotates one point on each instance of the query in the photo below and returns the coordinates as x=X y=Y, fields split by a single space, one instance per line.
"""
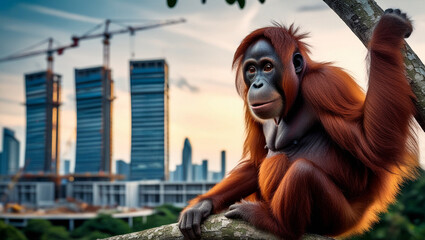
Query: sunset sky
x=204 y=105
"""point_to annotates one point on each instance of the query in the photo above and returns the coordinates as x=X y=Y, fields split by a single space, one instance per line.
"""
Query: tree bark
x=361 y=17
x=215 y=227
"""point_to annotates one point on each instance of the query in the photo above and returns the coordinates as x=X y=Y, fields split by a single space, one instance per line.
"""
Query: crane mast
x=106 y=35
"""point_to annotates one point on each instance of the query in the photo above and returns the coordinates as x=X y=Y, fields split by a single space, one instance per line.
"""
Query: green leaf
x=230 y=1
x=241 y=3
x=171 y=3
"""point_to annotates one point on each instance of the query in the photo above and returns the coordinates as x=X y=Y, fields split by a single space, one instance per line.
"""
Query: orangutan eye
x=251 y=69
x=268 y=67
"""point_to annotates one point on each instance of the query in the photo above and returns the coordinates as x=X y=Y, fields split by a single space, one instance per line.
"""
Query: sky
x=204 y=104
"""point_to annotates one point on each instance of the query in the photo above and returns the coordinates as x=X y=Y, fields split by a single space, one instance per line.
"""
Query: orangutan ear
x=298 y=62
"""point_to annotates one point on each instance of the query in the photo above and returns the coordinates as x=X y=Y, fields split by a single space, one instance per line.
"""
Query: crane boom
x=130 y=29
x=58 y=50
x=75 y=41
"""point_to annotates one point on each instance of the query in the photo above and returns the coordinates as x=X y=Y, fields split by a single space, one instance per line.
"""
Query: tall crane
x=106 y=35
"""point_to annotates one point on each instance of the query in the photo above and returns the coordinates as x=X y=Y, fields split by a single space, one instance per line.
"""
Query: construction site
x=38 y=189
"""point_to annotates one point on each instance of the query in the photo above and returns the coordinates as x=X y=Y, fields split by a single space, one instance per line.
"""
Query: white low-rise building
x=137 y=193
x=31 y=194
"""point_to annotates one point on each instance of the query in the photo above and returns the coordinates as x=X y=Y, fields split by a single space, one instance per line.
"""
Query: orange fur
x=353 y=168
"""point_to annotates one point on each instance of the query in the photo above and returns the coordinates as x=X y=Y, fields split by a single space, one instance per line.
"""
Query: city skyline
x=199 y=53
x=187 y=171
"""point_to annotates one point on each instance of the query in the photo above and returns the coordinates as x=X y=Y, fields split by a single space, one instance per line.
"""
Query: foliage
x=406 y=218
x=36 y=228
x=95 y=235
x=241 y=3
x=102 y=223
x=56 y=233
x=165 y=214
x=10 y=232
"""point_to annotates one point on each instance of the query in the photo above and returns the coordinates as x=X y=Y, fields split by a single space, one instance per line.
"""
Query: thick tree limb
x=361 y=16
x=215 y=227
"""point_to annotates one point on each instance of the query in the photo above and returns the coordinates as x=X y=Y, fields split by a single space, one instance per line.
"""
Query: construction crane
x=49 y=52
x=106 y=35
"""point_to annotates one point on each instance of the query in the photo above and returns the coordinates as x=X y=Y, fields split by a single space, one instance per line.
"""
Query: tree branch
x=361 y=16
x=215 y=227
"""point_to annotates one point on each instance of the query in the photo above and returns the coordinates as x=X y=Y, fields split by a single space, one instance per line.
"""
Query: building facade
x=9 y=159
x=187 y=160
x=223 y=164
x=122 y=168
x=94 y=94
x=205 y=169
x=30 y=194
x=42 y=116
x=177 y=175
x=137 y=193
x=133 y=194
x=197 y=173
x=149 y=120
x=66 y=167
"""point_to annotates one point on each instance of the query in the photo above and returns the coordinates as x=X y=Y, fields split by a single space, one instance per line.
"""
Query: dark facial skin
x=262 y=72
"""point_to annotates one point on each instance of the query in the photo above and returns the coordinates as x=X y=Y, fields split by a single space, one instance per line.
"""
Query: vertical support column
x=161 y=193
x=108 y=97
x=71 y=224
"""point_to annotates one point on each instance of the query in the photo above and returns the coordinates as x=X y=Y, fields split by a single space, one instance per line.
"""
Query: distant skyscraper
x=94 y=94
x=205 y=170
x=149 y=120
x=216 y=176
x=66 y=167
x=187 y=160
x=9 y=159
x=42 y=134
x=122 y=168
x=223 y=164
x=197 y=173
x=179 y=173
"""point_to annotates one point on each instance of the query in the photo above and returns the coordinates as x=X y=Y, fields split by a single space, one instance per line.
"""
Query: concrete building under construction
x=42 y=116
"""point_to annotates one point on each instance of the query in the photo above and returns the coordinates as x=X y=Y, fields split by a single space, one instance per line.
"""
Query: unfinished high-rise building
x=42 y=115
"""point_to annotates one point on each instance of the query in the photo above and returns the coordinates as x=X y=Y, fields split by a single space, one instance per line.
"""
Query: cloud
x=312 y=8
x=202 y=26
x=32 y=28
x=205 y=38
x=62 y=14
x=182 y=83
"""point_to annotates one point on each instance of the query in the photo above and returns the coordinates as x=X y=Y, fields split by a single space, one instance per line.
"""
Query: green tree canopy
x=10 y=232
x=406 y=218
x=56 y=233
x=165 y=214
x=36 y=228
x=102 y=223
